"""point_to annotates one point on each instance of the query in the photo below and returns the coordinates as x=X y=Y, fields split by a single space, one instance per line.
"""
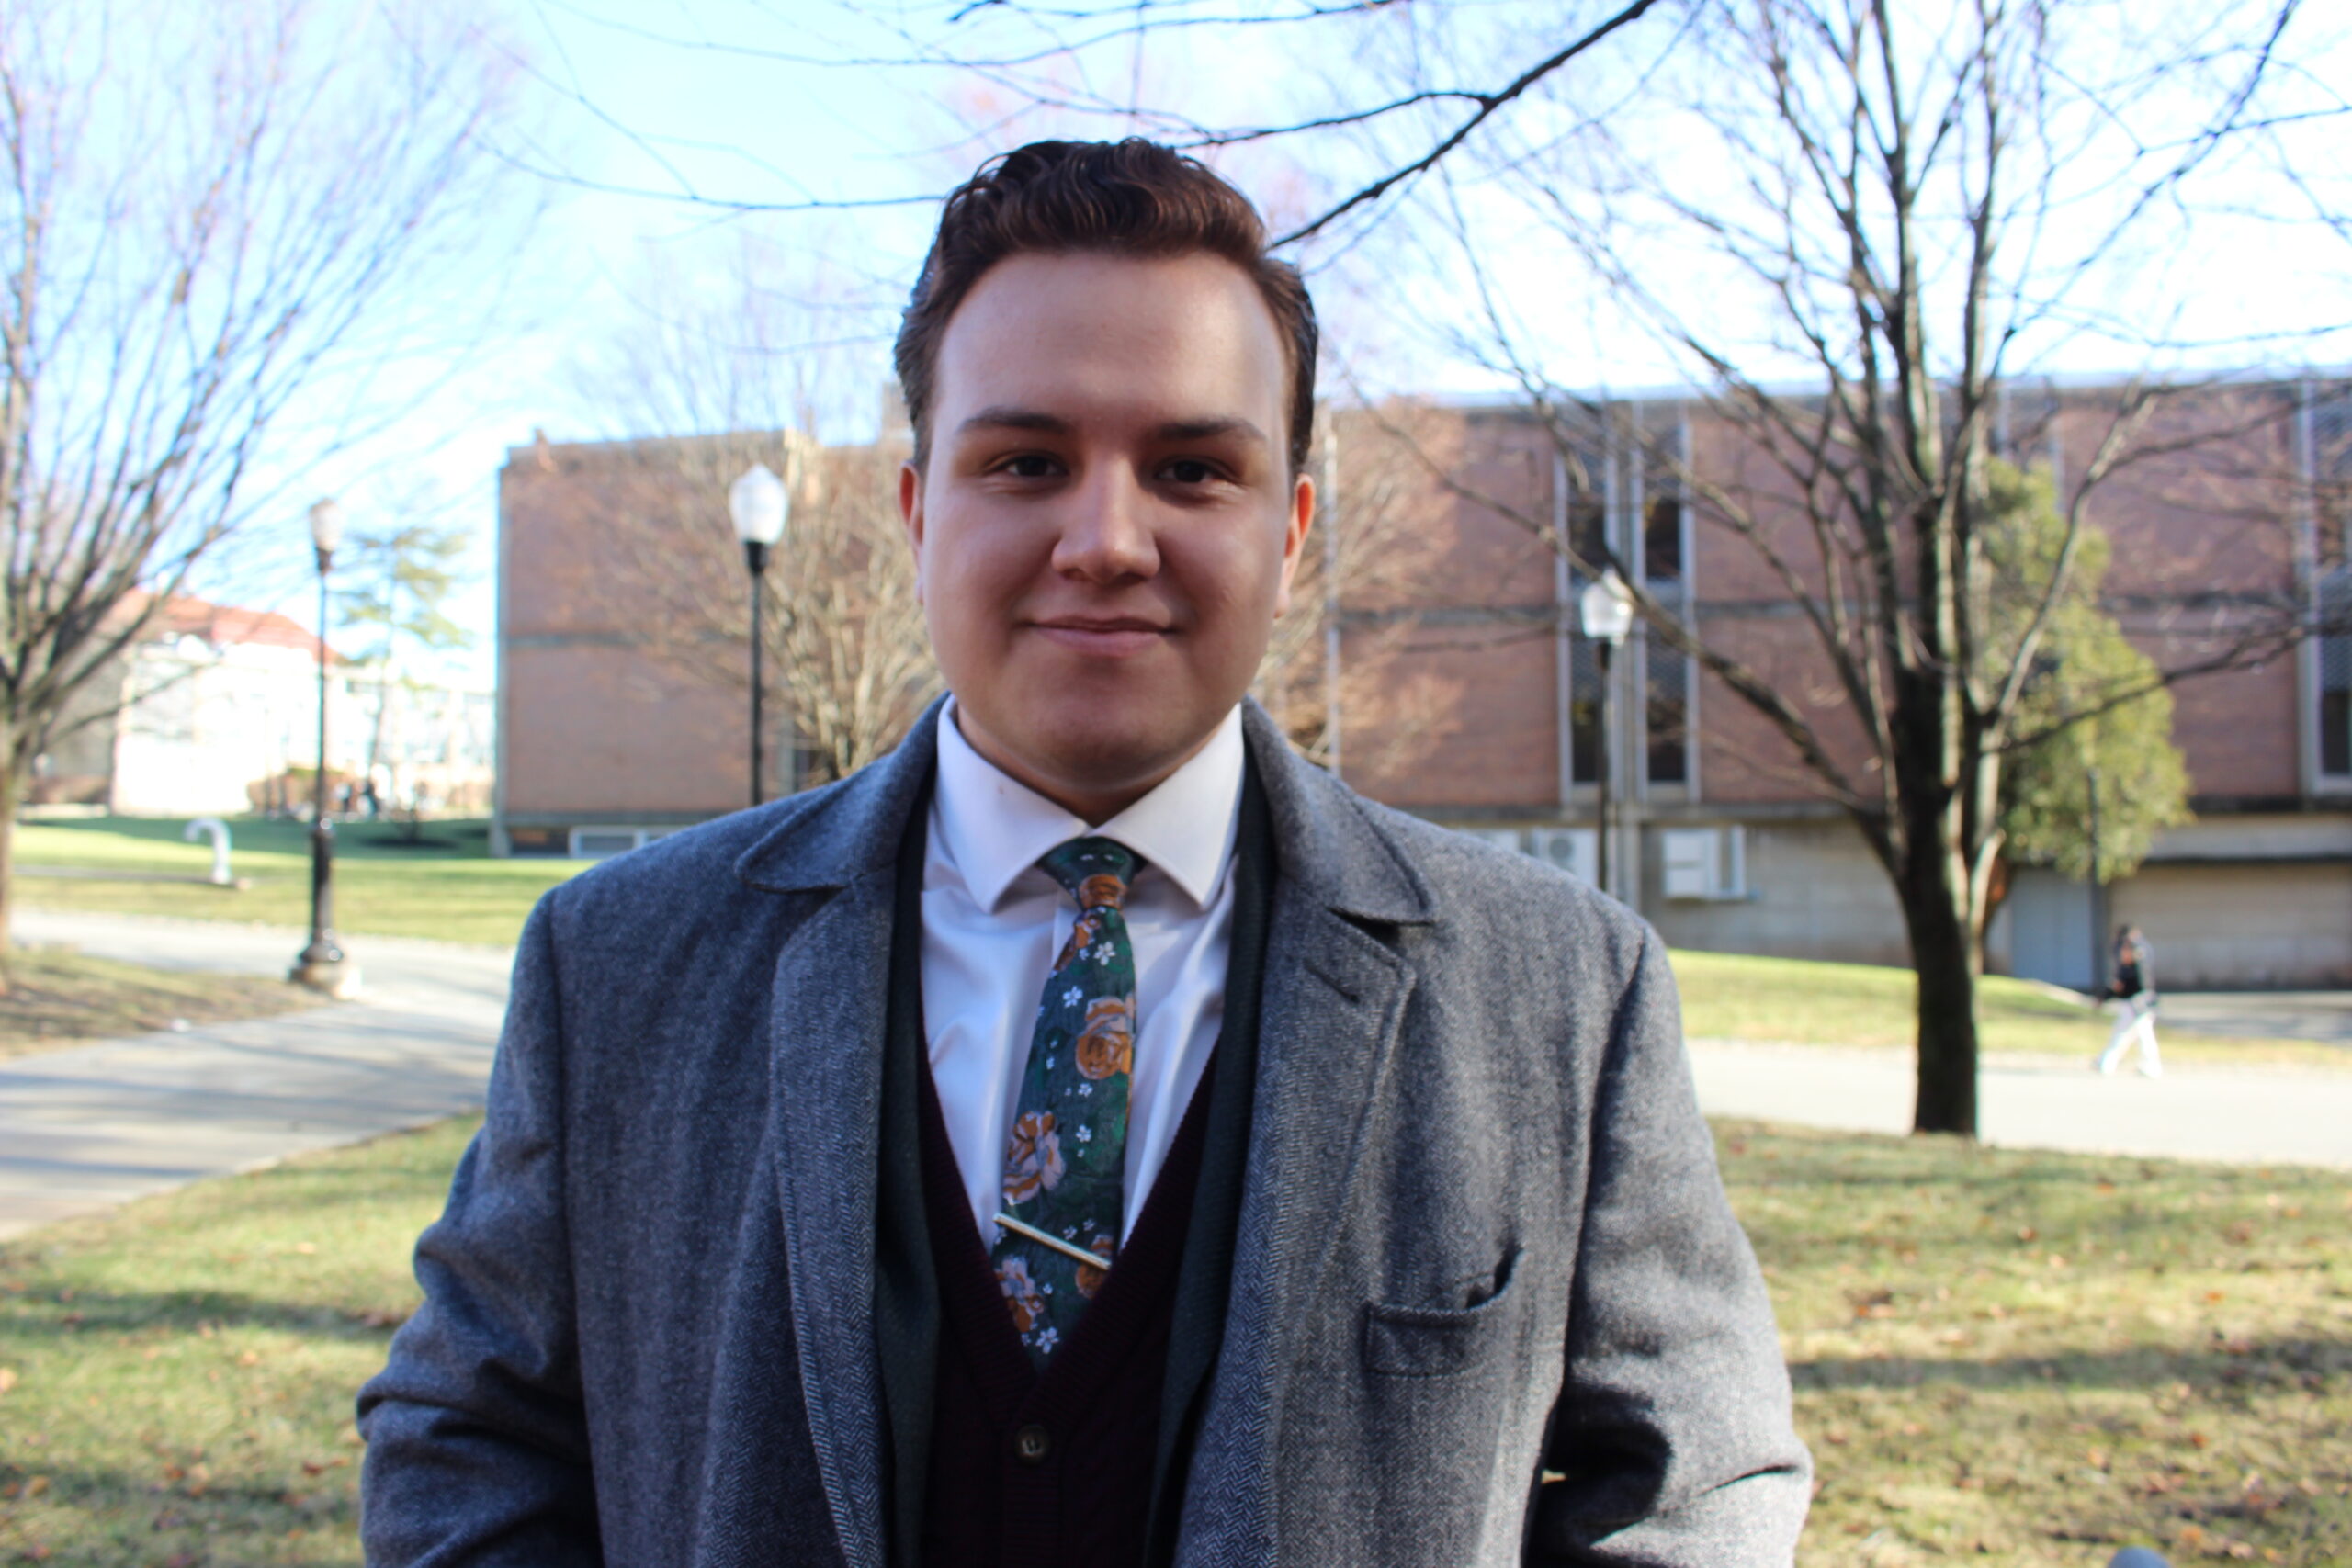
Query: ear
x=910 y=515
x=1295 y=524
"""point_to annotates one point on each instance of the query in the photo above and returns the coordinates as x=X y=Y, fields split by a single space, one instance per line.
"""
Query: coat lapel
x=826 y=1026
x=1335 y=994
x=1336 y=989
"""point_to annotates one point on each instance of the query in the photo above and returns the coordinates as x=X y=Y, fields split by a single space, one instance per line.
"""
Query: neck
x=1091 y=801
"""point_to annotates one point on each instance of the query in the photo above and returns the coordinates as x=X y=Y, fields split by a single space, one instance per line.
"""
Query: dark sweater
x=1054 y=1467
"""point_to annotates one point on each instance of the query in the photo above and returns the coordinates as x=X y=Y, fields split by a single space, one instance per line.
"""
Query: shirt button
x=1032 y=1444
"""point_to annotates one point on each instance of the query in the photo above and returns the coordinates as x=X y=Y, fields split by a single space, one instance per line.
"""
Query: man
x=1089 y=1135
x=2134 y=990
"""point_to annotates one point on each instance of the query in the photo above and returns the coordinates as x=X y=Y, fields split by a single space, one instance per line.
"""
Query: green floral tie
x=1065 y=1165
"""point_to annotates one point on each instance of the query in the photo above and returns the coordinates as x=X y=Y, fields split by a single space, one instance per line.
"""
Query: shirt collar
x=994 y=828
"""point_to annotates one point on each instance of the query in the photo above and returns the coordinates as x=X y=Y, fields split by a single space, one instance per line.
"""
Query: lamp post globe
x=321 y=965
x=760 y=506
x=1605 y=610
x=326 y=529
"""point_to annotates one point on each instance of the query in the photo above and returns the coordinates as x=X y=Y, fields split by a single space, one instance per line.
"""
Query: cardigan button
x=1032 y=1444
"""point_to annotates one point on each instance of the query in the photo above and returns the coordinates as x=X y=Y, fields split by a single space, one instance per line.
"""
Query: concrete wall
x=1815 y=891
x=2221 y=926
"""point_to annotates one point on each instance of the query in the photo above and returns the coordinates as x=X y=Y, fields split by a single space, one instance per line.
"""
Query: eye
x=1189 y=471
x=1029 y=465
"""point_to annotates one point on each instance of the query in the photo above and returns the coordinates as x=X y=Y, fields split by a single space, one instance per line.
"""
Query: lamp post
x=758 y=503
x=322 y=966
x=1606 y=610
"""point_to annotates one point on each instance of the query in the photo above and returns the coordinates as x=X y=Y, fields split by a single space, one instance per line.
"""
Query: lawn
x=452 y=889
x=59 y=997
x=2001 y=1357
x=1728 y=996
x=2035 y=1359
x=449 y=887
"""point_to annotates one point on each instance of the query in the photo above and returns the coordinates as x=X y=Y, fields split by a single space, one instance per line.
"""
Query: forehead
x=1099 y=339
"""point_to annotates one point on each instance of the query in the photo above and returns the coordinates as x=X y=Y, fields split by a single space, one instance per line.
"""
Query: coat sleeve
x=1672 y=1443
x=477 y=1441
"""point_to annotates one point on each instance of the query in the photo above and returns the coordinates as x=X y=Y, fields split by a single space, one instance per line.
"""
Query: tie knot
x=1095 y=872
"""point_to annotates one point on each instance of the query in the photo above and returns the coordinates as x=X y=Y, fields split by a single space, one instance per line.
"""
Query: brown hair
x=1132 y=197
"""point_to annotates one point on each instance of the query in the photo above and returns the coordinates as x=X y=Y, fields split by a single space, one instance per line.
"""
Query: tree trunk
x=1944 y=956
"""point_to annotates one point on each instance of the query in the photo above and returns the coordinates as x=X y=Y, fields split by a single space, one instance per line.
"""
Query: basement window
x=602 y=843
x=1704 y=864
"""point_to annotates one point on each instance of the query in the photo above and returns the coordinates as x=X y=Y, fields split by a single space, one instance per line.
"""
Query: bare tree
x=212 y=228
x=737 y=363
x=1331 y=674
x=845 y=645
x=1893 y=209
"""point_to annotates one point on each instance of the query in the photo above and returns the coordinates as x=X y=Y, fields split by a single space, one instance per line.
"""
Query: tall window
x=1586 y=520
x=2335 y=675
x=1668 y=698
x=2330 y=455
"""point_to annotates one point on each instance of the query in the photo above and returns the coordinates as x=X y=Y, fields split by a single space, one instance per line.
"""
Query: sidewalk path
x=90 y=1127
x=95 y=1125
x=2250 y=1115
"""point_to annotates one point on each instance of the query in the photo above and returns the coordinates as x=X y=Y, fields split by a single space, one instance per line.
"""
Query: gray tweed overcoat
x=1487 y=1303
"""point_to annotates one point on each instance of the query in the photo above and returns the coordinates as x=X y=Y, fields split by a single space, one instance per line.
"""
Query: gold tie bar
x=1092 y=1260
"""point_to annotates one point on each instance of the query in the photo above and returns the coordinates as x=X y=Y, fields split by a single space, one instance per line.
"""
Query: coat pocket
x=1436 y=1342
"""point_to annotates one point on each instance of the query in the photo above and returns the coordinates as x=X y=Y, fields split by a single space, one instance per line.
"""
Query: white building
x=216 y=712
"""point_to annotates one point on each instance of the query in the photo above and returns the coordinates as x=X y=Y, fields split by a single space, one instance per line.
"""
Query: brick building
x=1719 y=837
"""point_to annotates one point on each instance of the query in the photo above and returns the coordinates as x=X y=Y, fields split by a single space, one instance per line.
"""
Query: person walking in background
x=2134 y=987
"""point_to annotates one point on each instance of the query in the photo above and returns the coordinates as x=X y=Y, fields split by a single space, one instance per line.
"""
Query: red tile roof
x=222 y=625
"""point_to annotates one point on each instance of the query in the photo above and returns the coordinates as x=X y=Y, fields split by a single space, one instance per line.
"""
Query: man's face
x=1106 y=526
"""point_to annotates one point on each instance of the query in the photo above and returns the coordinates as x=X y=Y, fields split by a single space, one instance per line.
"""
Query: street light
x=759 y=505
x=322 y=966
x=1606 y=610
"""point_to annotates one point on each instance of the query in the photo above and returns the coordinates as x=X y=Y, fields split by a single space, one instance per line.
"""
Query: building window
x=602 y=843
x=1707 y=864
x=1584 y=711
x=2335 y=675
x=1667 y=705
x=2330 y=475
x=1581 y=503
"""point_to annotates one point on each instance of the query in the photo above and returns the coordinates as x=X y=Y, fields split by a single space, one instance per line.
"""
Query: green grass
x=1735 y=997
x=2033 y=1359
x=182 y=1369
x=455 y=891
x=59 y=997
x=2000 y=1357
x=450 y=890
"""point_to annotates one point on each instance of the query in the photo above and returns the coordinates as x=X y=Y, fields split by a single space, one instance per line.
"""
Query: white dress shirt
x=992 y=923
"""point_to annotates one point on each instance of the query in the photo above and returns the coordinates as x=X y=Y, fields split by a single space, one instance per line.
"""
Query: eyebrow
x=1005 y=417
x=1008 y=417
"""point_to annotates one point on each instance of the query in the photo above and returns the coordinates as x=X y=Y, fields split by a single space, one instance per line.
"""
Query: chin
x=1105 y=745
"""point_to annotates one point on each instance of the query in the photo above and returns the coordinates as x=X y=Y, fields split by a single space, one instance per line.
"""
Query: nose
x=1106 y=533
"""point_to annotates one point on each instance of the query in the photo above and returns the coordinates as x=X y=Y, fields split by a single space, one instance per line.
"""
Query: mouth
x=1101 y=636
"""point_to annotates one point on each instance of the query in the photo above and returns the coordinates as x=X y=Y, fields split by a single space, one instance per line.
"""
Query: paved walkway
x=2324 y=1016
x=92 y=1126
x=2250 y=1115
